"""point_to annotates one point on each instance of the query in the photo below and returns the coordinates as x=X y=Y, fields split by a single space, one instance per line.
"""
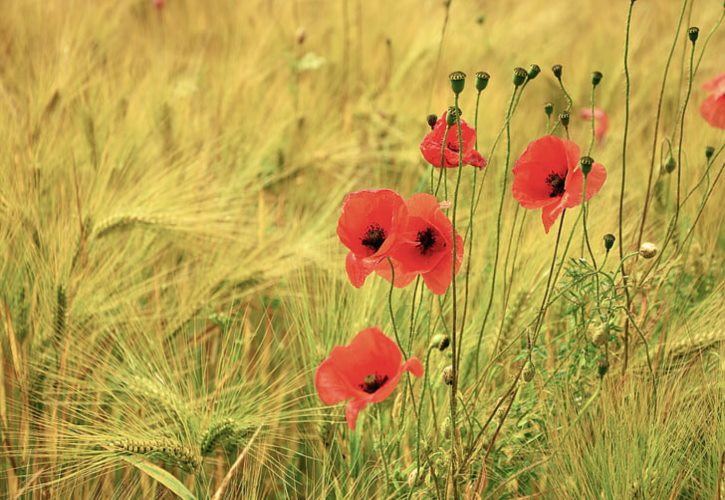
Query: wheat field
x=171 y=178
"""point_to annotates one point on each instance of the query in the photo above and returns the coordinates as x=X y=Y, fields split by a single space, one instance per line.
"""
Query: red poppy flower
x=425 y=246
x=433 y=142
x=159 y=4
x=368 y=227
x=365 y=371
x=601 y=122
x=713 y=108
x=547 y=176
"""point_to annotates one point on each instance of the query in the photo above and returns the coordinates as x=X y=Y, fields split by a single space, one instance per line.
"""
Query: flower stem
x=498 y=230
x=627 y=86
x=657 y=126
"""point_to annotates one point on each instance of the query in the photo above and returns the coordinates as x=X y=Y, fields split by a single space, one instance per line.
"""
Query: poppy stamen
x=373 y=382
x=557 y=183
x=426 y=240
x=374 y=237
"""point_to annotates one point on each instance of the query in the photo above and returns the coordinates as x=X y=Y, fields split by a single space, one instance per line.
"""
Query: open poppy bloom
x=547 y=176
x=365 y=371
x=712 y=109
x=433 y=143
x=368 y=227
x=425 y=245
x=601 y=122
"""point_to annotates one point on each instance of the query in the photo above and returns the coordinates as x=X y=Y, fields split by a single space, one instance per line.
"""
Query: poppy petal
x=354 y=407
x=331 y=386
x=357 y=270
x=439 y=278
x=475 y=159
x=574 y=182
x=712 y=110
x=550 y=213
x=414 y=366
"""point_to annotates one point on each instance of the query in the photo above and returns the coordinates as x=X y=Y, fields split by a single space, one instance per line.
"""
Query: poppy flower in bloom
x=601 y=122
x=368 y=227
x=433 y=143
x=425 y=245
x=547 y=176
x=712 y=109
x=365 y=371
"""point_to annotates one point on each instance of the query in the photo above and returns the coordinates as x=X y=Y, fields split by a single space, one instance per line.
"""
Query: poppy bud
x=448 y=375
x=596 y=78
x=693 y=33
x=458 y=81
x=648 y=250
x=556 y=69
x=414 y=478
x=564 y=119
x=603 y=367
x=440 y=342
x=529 y=371
x=482 y=80
x=586 y=163
x=709 y=151
x=300 y=35
x=534 y=71
x=670 y=164
x=600 y=335
x=520 y=75
x=609 y=239
x=548 y=108
x=431 y=119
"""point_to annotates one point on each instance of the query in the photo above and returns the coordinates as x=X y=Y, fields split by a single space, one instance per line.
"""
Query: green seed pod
x=556 y=69
x=452 y=115
x=548 y=108
x=693 y=33
x=534 y=71
x=520 y=75
x=564 y=118
x=609 y=240
x=597 y=77
x=448 y=375
x=586 y=164
x=458 y=81
x=482 y=80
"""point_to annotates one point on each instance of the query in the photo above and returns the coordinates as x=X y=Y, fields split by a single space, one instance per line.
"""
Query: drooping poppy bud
x=709 y=151
x=648 y=250
x=609 y=240
x=431 y=120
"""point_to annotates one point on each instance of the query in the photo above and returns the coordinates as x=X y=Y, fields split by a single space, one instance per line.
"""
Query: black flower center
x=374 y=238
x=556 y=182
x=373 y=382
x=426 y=240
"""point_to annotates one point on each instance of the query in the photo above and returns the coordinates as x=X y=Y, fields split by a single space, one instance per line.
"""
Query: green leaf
x=161 y=476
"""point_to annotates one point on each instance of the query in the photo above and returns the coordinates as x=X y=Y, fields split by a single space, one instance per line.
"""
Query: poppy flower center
x=453 y=146
x=426 y=239
x=373 y=382
x=374 y=237
x=556 y=182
